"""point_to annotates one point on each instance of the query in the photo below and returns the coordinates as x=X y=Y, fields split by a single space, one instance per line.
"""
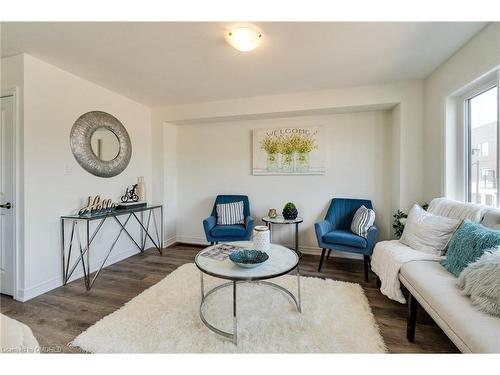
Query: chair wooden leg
x=366 y=260
x=321 y=260
x=211 y=243
x=379 y=283
x=412 y=318
x=328 y=255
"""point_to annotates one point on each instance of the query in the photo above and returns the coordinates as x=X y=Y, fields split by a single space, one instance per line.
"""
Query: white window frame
x=464 y=119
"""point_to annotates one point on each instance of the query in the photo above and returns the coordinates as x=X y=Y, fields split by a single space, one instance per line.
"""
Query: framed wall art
x=298 y=150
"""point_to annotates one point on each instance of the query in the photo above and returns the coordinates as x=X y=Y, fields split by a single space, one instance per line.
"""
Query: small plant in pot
x=290 y=211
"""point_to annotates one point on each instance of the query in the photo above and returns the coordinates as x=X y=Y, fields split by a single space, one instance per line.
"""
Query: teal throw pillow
x=468 y=244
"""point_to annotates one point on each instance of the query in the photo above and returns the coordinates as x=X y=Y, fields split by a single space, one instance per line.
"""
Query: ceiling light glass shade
x=244 y=38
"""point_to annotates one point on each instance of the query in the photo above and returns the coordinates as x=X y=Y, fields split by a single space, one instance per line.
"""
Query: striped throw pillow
x=230 y=213
x=362 y=221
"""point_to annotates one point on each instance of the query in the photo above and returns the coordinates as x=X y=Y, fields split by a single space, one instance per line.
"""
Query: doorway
x=7 y=196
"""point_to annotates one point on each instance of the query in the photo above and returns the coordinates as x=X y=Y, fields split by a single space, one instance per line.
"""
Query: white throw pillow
x=428 y=232
x=362 y=221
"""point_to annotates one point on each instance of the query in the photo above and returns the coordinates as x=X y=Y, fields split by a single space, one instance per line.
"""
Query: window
x=484 y=147
x=481 y=117
x=488 y=178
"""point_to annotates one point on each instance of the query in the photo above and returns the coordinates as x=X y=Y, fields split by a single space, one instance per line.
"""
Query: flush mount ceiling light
x=244 y=38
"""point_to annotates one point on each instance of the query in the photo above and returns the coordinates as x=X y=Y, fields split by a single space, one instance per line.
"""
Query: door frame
x=18 y=225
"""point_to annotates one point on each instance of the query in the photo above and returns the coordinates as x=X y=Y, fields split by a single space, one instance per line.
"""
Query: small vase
x=272 y=162
x=261 y=238
x=141 y=192
x=303 y=162
x=288 y=163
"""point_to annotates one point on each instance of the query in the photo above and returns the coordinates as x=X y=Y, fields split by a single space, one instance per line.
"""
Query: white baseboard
x=192 y=240
x=169 y=241
x=314 y=250
x=56 y=281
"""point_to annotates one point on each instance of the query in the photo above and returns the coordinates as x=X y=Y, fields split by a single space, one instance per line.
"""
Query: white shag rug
x=336 y=318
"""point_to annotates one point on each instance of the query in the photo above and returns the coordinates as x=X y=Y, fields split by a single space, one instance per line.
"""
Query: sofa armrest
x=209 y=223
x=372 y=238
x=322 y=228
x=249 y=223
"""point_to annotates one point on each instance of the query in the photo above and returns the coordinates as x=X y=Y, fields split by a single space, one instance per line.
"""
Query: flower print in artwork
x=288 y=150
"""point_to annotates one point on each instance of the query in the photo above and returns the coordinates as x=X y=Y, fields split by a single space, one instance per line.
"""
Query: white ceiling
x=180 y=62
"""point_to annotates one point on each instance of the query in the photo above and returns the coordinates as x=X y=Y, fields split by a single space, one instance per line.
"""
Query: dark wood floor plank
x=58 y=316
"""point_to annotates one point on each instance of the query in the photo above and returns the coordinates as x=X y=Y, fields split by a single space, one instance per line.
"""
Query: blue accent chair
x=225 y=233
x=335 y=231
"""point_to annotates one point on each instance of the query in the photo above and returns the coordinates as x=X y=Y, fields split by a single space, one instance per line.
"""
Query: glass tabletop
x=281 y=220
x=115 y=212
x=281 y=261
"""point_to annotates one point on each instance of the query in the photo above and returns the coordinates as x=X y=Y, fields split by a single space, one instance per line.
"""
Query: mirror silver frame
x=80 y=141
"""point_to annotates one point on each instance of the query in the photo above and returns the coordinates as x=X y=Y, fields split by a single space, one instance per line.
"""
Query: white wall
x=170 y=160
x=478 y=57
x=216 y=159
x=54 y=183
x=232 y=120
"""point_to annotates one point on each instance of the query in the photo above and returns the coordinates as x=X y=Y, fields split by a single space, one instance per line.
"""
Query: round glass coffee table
x=281 y=261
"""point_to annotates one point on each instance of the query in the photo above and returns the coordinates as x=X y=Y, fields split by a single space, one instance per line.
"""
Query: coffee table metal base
x=234 y=335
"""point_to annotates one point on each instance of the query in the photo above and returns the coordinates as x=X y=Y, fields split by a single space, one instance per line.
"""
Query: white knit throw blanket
x=388 y=259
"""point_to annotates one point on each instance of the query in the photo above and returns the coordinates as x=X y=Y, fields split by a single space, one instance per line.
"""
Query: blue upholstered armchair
x=335 y=231
x=219 y=233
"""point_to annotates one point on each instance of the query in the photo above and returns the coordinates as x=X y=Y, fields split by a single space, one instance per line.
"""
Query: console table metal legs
x=233 y=336
x=83 y=249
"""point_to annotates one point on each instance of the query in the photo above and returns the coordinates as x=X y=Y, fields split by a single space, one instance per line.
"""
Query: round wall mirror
x=105 y=144
x=100 y=144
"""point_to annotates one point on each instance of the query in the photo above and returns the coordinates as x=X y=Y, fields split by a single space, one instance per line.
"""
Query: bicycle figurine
x=130 y=195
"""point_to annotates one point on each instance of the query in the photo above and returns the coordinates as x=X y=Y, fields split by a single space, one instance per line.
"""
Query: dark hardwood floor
x=58 y=316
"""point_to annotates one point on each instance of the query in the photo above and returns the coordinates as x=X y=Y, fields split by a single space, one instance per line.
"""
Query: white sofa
x=16 y=337
x=433 y=288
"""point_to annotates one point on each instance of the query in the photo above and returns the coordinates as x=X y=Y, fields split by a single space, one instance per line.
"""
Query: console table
x=83 y=249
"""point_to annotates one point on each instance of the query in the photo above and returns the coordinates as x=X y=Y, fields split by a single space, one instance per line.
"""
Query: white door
x=7 y=196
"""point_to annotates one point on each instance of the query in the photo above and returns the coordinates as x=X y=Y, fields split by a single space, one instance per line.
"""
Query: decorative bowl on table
x=248 y=258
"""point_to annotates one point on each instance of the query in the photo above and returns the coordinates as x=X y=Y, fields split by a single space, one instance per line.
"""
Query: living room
x=250 y=187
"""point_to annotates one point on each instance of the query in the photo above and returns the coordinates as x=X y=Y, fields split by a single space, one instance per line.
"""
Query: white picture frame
x=294 y=150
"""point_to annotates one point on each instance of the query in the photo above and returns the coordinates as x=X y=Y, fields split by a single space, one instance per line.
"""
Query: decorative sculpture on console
x=130 y=195
x=96 y=205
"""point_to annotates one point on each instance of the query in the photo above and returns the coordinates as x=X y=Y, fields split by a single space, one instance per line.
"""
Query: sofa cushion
x=228 y=230
x=346 y=238
x=457 y=210
x=427 y=232
x=468 y=244
x=481 y=281
x=435 y=288
x=492 y=219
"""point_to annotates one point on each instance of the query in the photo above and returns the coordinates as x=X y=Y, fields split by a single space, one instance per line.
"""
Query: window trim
x=464 y=118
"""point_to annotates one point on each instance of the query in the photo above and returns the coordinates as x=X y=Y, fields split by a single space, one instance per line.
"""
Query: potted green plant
x=290 y=211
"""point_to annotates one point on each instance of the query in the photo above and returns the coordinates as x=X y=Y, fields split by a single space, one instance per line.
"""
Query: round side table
x=280 y=220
